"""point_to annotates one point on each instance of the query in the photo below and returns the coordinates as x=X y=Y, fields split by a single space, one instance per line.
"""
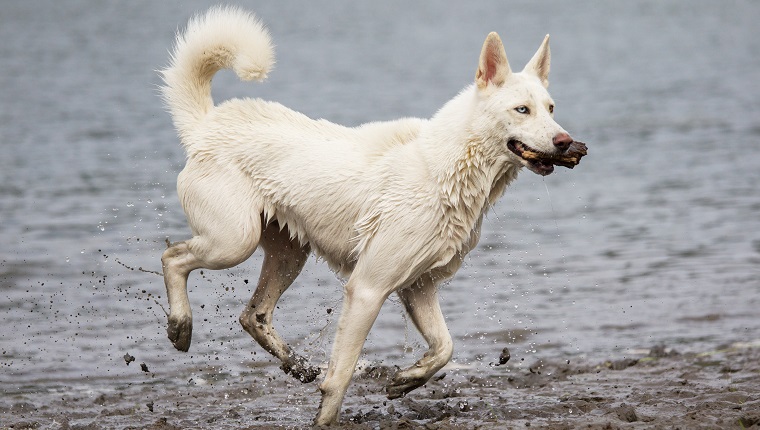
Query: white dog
x=392 y=206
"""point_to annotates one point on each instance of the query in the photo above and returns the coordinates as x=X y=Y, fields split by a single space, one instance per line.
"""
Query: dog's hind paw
x=299 y=368
x=401 y=385
x=180 y=331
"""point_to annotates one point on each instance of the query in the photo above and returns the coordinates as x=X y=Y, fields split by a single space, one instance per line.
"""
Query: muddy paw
x=180 y=332
x=401 y=385
x=299 y=368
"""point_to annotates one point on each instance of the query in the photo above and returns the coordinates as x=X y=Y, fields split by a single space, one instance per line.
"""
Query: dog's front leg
x=361 y=305
x=421 y=302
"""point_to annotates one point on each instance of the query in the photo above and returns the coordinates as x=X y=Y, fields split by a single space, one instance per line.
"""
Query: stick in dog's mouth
x=543 y=163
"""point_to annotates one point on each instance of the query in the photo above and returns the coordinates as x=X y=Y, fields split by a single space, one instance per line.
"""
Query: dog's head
x=517 y=111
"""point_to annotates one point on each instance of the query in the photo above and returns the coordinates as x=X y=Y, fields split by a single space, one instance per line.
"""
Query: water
x=653 y=239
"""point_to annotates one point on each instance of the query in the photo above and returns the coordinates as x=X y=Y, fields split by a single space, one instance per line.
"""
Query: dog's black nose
x=562 y=141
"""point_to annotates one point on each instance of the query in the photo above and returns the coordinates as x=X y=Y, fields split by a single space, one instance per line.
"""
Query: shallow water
x=653 y=239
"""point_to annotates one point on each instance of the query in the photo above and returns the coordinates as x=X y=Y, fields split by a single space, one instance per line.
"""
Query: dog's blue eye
x=522 y=109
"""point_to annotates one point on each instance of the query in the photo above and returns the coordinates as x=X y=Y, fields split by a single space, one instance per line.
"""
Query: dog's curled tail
x=222 y=38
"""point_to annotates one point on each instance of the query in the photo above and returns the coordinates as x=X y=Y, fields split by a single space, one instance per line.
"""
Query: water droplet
x=101 y=227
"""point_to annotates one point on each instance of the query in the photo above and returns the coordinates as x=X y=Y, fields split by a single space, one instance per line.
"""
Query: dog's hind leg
x=225 y=235
x=178 y=261
x=283 y=260
x=421 y=302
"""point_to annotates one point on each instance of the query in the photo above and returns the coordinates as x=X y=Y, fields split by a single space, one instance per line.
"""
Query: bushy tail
x=222 y=38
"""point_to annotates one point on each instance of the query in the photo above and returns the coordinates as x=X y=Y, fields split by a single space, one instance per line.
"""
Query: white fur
x=392 y=206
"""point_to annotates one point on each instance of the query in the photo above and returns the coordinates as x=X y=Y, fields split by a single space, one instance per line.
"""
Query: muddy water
x=653 y=239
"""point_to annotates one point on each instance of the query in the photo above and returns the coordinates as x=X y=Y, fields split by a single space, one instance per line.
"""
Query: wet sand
x=654 y=388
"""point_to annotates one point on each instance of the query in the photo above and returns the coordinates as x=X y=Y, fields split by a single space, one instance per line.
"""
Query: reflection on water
x=652 y=239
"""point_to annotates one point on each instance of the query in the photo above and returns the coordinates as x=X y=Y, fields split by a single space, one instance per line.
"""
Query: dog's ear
x=493 y=67
x=539 y=64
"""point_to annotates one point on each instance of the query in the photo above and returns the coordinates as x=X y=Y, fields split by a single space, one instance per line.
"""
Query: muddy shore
x=654 y=388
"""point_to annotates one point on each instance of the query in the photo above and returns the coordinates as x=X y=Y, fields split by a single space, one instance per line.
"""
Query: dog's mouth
x=543 y=163
x=537 y=161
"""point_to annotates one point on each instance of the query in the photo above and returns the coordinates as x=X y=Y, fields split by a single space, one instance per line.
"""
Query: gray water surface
x=653 y=239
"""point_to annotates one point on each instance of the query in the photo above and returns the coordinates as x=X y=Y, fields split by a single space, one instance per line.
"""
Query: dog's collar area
x=538 y=162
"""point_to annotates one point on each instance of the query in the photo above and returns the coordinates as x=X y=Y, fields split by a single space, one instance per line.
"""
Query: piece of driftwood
x=569 y=158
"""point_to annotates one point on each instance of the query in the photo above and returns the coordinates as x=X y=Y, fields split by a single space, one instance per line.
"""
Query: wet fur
x=393 y=206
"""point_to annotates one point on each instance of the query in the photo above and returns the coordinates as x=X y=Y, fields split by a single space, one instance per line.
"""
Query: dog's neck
x=462 y=160
x=470 y=173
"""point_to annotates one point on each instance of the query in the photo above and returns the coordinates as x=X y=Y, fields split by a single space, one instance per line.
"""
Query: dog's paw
x=299 y=368
x=400 y=385
x=180 y=331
